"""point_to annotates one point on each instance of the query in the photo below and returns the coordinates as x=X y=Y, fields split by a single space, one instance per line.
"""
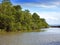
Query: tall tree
x=17 y=7
x=6 y=1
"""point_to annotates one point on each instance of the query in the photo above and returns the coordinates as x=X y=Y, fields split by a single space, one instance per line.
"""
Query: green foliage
x=12 y=18
x=17 y=7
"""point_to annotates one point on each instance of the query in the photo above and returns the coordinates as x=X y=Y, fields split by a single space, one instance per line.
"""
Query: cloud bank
x=51 y=17
x=39 y=3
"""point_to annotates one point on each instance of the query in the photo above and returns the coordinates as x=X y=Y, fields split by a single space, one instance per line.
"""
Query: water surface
x=51 y=36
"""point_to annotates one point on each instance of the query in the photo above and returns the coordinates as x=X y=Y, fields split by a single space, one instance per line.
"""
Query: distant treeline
x=57 y=26
x=13 y=18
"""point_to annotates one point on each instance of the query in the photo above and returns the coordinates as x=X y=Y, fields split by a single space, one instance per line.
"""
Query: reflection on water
x=51 y=36
x=53 y=43
x=52 y=30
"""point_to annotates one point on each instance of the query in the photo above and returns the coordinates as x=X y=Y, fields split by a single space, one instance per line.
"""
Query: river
x=51 y=36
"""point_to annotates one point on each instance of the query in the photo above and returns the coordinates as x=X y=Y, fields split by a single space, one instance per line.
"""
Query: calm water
x=51 y=36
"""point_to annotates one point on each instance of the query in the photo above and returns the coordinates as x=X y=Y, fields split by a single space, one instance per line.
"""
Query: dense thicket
x=12 y=18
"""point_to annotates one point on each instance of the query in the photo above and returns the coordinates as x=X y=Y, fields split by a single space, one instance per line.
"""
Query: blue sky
x=48 y=9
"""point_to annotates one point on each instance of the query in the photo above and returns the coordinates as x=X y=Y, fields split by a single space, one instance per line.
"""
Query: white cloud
x=37 y=5
x=48 y=6
x=51 y=17
x=48 y=16
x=56 y=3
x=40 y=5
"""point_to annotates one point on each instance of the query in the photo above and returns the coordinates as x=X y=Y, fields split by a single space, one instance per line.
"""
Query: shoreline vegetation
x=13 y=18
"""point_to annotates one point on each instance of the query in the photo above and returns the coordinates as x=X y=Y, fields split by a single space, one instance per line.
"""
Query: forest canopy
x=13 y=18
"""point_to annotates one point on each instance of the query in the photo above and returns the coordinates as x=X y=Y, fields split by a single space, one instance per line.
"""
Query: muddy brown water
x=51 y=36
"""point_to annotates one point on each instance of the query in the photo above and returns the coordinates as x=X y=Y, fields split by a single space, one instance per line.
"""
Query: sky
x=48 y=9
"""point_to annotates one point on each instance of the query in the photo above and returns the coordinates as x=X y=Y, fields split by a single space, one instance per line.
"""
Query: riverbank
x=21 y=31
